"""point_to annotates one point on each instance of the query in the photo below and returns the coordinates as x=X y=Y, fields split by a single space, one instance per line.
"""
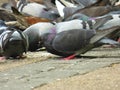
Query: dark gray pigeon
x=80 y=41
x=13 y=43
x=69 y=38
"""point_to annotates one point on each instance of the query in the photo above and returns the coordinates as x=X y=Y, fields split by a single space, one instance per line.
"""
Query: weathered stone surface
x=31 y=75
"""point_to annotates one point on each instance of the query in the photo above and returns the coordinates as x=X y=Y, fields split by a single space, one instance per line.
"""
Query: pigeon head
x=13 y=43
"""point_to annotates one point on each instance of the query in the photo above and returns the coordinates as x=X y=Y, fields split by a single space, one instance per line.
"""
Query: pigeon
x=77 y=41
x=94 y=11
x=13 y=43
x=102 y=22
x=83 y=6
x=35 y=9
x=69 y=37
x=67 y=41
x=35 y=32
x=82 y=21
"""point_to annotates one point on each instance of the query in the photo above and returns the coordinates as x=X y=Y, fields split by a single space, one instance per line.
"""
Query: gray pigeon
x=13 y=43
x=69 y=38
x=95 y=11
x=35 y=32
x=78 y=41
x=36 y=10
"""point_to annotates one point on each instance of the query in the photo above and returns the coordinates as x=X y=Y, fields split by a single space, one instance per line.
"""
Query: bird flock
x=66 y=28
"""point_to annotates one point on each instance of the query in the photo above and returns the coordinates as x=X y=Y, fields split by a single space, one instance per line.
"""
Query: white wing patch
x=60 y=8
